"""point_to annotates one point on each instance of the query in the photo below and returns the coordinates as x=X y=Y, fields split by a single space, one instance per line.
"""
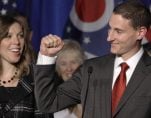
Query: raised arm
x=50 y=94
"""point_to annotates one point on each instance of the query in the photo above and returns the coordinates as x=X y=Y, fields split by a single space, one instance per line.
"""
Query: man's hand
x=51 y=45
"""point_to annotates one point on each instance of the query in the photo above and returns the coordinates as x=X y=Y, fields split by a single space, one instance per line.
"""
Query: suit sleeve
x=51 y=96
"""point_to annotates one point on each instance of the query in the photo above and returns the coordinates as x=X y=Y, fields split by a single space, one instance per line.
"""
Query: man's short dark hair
x=136 y=12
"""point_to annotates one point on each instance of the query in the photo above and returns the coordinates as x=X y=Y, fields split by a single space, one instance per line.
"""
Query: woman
x=16 y=82
x=68 y=60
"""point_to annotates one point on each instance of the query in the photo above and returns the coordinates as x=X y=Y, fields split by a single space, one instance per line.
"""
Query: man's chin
x=115 y=52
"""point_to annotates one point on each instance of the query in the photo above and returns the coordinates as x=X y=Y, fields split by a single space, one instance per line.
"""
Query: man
x=94 y=84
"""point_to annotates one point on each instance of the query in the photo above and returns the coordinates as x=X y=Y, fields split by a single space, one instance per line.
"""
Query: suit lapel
x=135 y=81
x=106 y=87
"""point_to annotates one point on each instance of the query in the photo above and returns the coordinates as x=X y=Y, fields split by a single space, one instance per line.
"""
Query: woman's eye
x=21 y=35
x=62 y=64
x=8 y=36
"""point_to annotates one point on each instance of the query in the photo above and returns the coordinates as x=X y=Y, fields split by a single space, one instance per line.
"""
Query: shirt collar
x=132 y=61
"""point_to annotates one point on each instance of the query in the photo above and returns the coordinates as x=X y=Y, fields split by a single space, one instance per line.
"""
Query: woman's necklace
x=3 y=82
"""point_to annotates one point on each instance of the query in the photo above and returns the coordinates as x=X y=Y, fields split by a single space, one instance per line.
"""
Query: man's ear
x=142 y=32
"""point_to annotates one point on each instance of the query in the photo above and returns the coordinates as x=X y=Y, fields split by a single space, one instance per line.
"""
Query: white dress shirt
x=64 y=114
x=45 y=60
x=132 y=62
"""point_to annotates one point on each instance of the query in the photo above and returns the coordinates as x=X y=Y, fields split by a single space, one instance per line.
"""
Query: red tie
x=119 y=86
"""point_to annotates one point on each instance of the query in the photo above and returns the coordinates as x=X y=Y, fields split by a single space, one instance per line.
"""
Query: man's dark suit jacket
x=93 y=89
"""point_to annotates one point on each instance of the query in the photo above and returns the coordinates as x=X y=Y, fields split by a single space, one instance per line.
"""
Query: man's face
x=123 y=37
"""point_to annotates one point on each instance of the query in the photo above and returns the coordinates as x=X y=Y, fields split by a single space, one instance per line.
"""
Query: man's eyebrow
x=118 y=29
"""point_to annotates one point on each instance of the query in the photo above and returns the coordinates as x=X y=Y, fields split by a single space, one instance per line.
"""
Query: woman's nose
x=15 y=40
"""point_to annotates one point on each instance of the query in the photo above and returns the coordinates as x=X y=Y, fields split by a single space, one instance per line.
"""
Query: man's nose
x=110 y=36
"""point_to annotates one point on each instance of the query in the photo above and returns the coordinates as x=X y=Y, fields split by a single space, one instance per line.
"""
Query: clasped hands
x=51 y=45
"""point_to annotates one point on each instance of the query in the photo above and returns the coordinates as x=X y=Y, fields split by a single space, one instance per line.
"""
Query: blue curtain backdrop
x=82 y=20
x=46 y=16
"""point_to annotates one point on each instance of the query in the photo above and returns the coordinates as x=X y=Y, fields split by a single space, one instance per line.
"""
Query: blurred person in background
x=68 y=60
